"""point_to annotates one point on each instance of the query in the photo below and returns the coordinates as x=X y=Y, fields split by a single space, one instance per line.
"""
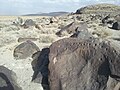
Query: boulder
x=117 y=17
x=82 y=33
x=28 y=23
x=105 y=19
x=82 y=64
x=103 y=9
x=8 y=79
x=25 y=50
x=71 y=28
x=108 y=20
x=116 y=26
x=18 y=21
x=40 y=67
x=39 y=27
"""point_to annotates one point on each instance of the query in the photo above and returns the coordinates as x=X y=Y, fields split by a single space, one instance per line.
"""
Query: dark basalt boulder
x=72 y=28
x=8 y=79
x=82 y=33
x=28 y=23
x=116 y=26
x=108 y=20
x=82 y=64
x=25 y=50
x=40 y=67
x=105 y=19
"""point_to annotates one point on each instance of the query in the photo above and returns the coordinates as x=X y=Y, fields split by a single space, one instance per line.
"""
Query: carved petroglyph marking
x=54 y=60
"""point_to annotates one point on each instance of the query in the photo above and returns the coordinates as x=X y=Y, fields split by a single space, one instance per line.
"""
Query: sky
x=22 y=7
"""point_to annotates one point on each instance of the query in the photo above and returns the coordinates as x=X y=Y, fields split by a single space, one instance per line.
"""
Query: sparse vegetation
x=102 y=32
x=43 y=35
x=99 y=9
x=46 y=39
x=3 y=25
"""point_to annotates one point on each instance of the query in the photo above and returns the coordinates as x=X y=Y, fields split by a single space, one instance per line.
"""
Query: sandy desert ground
x=9 y=35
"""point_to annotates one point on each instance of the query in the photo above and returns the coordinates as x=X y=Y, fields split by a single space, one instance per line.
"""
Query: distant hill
x=99 y=8
x=48 y=14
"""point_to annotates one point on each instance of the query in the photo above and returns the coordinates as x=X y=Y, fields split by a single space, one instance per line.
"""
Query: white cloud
x=17 y=1
x=33 y=6
x=61 y=1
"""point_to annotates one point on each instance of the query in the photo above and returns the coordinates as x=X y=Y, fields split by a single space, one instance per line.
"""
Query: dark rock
x=80 y=11
x=104 y=20
x=108 y=20
x=8 y=79
x=82 y=64
x=40 y=67
x=38 y=27
x=51 y=20
x=116 y=26
x=25 y=50
x=82 y=33
x=71 y=28
x=28 y=23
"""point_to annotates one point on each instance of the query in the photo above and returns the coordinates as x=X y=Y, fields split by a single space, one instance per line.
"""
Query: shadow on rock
x=40 y=67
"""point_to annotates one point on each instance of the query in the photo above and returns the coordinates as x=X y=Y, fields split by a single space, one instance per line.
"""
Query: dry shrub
x=6 y=40
x=3 y=25
x=102 y=32
x=46 y=39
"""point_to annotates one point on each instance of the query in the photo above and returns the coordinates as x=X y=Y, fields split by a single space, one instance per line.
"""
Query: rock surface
x=25 y=50
x=82 y=64
x=72 y=28
x=99 y=9
x=82 y=33
x=8 y=79
x=116 y=26
x=28 y=23
x=40 y=67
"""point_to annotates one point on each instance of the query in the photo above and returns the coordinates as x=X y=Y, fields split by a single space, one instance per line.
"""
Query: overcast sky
x=21 y=7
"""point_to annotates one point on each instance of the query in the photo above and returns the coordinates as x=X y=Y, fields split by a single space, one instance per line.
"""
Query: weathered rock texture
x=116 y=26
x=99 y=9
x=28 y=23
x=40 y=67
x=25 y=50
x=83 y=65
x=82 y=33
x=72 y=28
x=8 y=79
